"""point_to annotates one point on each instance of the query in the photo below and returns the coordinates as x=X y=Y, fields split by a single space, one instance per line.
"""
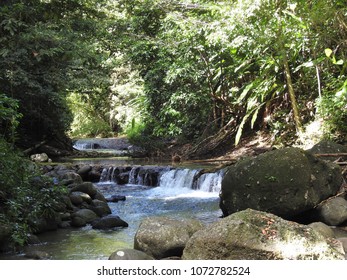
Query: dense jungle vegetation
x=202 y=72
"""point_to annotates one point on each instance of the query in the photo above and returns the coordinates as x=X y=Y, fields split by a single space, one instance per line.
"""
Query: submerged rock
x=116 y=198
x=37 y=255
x=109 y=222
x=256 y=235
x=129 y=254
x=284 y=182
x=162 y=237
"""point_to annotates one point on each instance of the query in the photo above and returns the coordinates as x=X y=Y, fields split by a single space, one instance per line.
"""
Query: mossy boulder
x=284 y=182
x=256 y=235
x=163 y=237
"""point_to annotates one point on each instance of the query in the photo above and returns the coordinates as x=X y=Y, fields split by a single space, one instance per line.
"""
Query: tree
x=44 y=50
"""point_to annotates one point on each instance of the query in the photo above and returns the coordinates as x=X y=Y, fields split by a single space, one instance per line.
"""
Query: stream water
x=178 y=194
x=174 y=197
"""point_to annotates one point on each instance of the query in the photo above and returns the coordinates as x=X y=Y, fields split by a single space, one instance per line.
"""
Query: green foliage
x=333 y=110
x=9 y=117
x=24 y=195
x=185 y=69
x=138 y=134
x=135 y=132
x=207 y=64
x=45 y=52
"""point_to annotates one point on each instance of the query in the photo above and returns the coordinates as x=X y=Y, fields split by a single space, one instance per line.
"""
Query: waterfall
x=164 y=177
x=192 y=179
x=210 y=182
x=178 y=178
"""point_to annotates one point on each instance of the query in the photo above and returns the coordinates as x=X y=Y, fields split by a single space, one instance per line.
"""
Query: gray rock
x=129 y=254
x=94 y=176
x=37 y=255
x=109 y=222
x=77 y=198
x=101 y=208
x=84 y=171
x=100 y=196
x=77 y=221
x=43 y=157
x=116 y=198
x=323 y=229
x=87 y=215
x=162 y=237
x=69 y=177
x=86 y=187
x=284 y=182
x=333 y=212
x=256 y=235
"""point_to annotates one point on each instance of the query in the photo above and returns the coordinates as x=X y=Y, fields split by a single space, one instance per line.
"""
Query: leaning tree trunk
x=213 y=142
x=294 y=103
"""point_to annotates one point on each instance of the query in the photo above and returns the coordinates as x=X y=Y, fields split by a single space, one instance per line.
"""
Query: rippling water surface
x=172 y=198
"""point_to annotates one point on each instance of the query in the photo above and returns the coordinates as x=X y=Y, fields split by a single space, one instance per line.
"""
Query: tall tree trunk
x=294 y=103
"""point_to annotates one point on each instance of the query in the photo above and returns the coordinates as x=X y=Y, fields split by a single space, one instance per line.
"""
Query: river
x=177 y=195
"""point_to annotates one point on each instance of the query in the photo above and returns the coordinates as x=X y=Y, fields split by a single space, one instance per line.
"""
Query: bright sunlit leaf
x=328 y=52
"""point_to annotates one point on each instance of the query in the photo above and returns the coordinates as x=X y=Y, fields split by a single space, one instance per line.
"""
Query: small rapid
x=149 y=191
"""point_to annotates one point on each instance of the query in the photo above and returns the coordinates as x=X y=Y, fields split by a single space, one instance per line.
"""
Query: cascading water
x=176 y=193
x=164 y=177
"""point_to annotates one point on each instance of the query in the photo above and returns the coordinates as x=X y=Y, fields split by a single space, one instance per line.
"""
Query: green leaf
x=254 y=117
x=339 y=62
x=244 y=92
x=328 y=52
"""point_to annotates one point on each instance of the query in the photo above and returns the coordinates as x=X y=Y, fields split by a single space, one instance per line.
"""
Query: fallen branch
x=29 y=150
x=210 y=161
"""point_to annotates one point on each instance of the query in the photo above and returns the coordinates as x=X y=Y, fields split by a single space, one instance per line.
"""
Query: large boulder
x=256 y=235
x=284 y=182
x=162 y=237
